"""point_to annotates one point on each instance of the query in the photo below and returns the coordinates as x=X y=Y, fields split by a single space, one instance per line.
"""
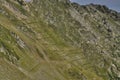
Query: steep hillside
x=58 y=40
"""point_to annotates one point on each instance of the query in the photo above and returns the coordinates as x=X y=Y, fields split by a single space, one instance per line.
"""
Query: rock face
x=58 y=40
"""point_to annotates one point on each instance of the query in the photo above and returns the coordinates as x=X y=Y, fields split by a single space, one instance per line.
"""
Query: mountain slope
x=58 y=40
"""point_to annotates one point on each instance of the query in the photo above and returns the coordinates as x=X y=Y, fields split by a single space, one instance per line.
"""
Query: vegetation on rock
x=58 y=40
